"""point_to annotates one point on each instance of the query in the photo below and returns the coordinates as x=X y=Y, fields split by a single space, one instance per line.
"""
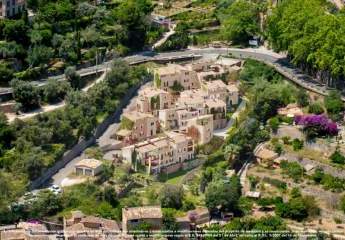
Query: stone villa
x=161 y=154
x=183 y=108
x=132 y=217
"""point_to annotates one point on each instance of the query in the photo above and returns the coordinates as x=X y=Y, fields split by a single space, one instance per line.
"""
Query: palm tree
x=231 y=151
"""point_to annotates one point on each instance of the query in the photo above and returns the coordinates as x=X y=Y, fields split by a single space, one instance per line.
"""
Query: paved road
x=224 y=132
x=279 y=62
x=165 y=37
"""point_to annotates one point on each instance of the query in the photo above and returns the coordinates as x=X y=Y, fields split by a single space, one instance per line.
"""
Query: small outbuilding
x=88 y=167
x=264 y=156
x=309 y=168
x=254 y=195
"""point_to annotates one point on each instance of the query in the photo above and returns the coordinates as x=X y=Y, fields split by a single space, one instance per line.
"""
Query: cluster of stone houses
x=183 y=108
x=79 y=226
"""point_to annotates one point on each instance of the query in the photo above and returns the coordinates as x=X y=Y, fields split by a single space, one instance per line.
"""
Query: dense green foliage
x=337 y=157
x=315 y=108
x=334 y=105
x=180 y=40
x=73 y=32
x=241 y=21
x=328 y=181
x=298 y=207
x=29 y=147
x=311 y=35
x=224 y=193
x=267 y=89
x=292 y=169
x=171 y=196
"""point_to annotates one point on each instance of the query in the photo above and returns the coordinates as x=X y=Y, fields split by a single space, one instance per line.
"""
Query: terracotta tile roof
x=142 y=212
x=89 y=163
x=134 y=116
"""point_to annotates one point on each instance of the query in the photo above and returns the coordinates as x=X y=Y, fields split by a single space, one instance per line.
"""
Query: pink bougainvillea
x=317 y=125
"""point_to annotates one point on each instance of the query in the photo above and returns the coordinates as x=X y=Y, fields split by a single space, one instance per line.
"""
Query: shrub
x=302 y=98
x=317 y=125
x=292 y=169
x=297 y=144
x=334 y=103
x=337 y=157
x=286 y=140
x=315 y=108
x=171 y=196
x=275 y=182
x=274 y=124
x=318 y=175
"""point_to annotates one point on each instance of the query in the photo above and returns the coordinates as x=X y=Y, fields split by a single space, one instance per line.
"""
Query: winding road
x=277 y=61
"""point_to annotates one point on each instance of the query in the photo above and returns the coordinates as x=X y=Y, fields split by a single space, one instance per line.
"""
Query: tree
x=73 y=77
x=39 y=55
x=180 y=40
x=297 y=144
x=6 y=72
x=132 y=14
x=241 y=23
x=15 y=30
x=298 y=208
x=292 y=169
x=47 y=204
x=33 y=163
x=55 y=91
x=318 y=175
x=169 y=222
x=315 y=108
x=26 y=94
x=6 y=134
x=224 y=194
x=337 y=157
x=334 y=104
x=171 y=196
x=109 y=194
x=231 y=151
x=293 y=24
x=302 y=98
x=274 y=124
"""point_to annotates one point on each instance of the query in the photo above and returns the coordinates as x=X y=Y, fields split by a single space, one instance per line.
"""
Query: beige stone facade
x=160 y=153
x=136 y=126
x=151 y=100
x=132 y=217
x=192 y=100
x=200 y=129
x=166 y=77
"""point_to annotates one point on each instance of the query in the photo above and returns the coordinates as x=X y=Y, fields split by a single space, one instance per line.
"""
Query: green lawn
x=173 y=178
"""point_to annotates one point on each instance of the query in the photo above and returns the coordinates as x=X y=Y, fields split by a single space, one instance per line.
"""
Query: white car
x=55 y=189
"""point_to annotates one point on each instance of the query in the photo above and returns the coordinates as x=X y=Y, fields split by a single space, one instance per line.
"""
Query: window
x=88 y=172
x=13 y=2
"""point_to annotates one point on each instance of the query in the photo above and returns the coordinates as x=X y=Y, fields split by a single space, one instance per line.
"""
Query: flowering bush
x=317 y=125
